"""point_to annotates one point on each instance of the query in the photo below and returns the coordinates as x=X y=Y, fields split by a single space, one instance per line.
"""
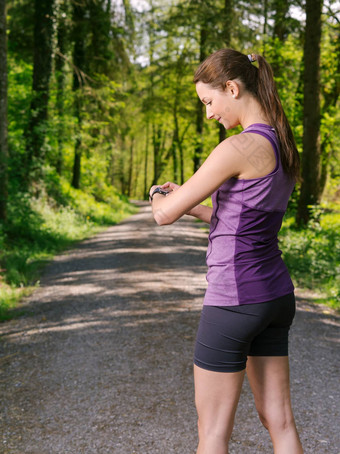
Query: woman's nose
x=210 y=115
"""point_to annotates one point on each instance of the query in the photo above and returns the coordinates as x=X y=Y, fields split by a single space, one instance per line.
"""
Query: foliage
x=312 y=253
x=38 y=228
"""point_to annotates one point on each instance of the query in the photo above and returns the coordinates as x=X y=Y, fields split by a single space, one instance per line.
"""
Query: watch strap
x=158 y=190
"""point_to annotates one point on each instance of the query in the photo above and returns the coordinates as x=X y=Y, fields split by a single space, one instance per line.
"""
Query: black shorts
x=227 y=335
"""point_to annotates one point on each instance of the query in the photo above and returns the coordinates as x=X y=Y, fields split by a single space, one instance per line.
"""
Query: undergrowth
x=312 y=254
x=40 y=227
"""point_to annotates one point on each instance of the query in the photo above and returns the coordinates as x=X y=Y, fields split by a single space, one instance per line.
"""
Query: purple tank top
x=243 y=258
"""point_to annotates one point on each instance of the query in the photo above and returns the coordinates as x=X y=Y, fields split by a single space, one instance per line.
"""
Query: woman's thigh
x=216 y=396
x=269 y=380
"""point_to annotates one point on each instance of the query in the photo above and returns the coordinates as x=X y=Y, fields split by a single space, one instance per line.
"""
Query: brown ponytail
x=228 y=64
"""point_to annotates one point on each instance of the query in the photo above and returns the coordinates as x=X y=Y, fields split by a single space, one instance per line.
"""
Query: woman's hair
x=228 y=64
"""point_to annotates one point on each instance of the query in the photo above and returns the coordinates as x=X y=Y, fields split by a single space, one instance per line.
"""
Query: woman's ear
x=233 y=88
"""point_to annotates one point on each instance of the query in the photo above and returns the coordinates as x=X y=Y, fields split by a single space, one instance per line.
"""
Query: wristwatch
x=158 y=191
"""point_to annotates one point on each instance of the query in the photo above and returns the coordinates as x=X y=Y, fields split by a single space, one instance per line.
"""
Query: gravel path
x=102 y=360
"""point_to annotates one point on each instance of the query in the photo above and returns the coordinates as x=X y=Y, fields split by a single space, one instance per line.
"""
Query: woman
x=249 y=304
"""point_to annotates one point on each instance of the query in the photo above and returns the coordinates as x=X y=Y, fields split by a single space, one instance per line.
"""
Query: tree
x=281 y=8
x=79 y=33
x=98 y=52
x=311 y=157
x=62 y=38
x=331 y=93
x=42 y=68
x=226 y=37
x=199 y=108
x=3 y=112
x=99 y=57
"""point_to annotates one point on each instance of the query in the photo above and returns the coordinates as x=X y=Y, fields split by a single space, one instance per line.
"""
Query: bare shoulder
x=226 y=156
x=232 y=147
x=254 y=152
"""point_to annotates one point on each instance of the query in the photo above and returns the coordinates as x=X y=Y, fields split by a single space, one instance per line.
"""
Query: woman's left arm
x=223 y=163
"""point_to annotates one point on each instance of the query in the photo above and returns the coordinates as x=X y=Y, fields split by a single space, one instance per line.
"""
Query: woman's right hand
x=169 y=186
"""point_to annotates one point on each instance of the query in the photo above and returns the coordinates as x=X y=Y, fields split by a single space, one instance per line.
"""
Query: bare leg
x=269 y=380
x=217 y=395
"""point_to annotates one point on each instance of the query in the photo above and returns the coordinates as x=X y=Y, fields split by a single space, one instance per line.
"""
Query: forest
x=97 y=103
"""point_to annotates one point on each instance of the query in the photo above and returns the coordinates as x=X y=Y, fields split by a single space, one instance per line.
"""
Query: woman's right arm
x=224 y=162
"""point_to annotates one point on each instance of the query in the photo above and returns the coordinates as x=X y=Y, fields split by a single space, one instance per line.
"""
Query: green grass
x=38 y=228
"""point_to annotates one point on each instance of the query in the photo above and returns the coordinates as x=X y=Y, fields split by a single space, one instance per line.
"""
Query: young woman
x=249 y=304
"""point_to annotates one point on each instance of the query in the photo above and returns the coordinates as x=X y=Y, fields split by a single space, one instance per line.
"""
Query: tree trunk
x=227 y=29
x=76 y=165
x=281 y=8
x=98 y=54
x=175 y=142
x=199 y=135
x=265 y=25
x=199 y=107
x=174 y=159
x=311 y=157
x=280 y=33
x=146 y=157
x=179 y=141
x=130 y=168
x=3 y=112
x=60 y=77
x=42 y=68
x=79 y=32
x=157 y=153
x=181 y=160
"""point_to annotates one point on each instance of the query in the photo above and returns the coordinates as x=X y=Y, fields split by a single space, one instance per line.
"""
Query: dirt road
x=102 y=360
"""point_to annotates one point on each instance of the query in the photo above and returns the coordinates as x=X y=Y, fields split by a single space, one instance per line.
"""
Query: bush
x=312 y=254
x=39 y=227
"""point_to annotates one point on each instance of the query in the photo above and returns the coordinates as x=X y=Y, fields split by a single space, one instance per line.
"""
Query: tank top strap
x=269 y=133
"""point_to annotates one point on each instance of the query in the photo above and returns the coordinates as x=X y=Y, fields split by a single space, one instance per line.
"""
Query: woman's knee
x=214 y=429
x=274 y=420
x=263 y=419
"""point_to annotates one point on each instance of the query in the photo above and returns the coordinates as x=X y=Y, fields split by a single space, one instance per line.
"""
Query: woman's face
x=218 y=104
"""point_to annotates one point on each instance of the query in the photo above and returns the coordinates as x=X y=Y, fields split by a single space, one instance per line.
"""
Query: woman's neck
x=251 y=112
